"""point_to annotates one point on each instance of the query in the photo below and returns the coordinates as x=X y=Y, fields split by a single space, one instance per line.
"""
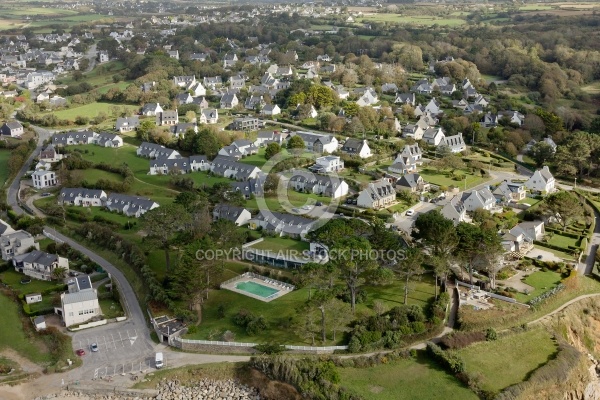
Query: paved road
x=586 y=267
x=13 y=189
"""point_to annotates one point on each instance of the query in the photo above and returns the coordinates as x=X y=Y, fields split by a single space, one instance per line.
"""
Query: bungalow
x=389 y=88
x=356 y=147
x=237 y=82
x=476 y=199
x=82 y=197
x=131 y=206
x=422 y=87
x=541 y=181
x=14 y=243
x=230 y=168
x=127 y=124
x=197 y=89
x=229 y=100
x=12 y=128
x=433 y=136
x=270 y=110
x=326 y=164
x=151 y=109
x=166 y=166
x=282 y=224
x=265 y=137
x=39 y=265
x=201 y=102
x=414 y=183
x=507 y=192
x=454 y=210
x=316 y=142
x=105 y=139
x=489 y=120
x=377 y=194
x=368 y=98
x=153 y=150
x=212 y=82
x=254 y=101
x=455 y=143
x=168 y=117
x=209 y=116
x=238 y=215
x=43 y=179
x=319 y=185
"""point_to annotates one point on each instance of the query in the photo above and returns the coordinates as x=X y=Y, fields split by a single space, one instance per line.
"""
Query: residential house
x=422 y=87
x=199 y=163
x=414 y=183
x=181 y=128
x=293 y=226
x=131 y=206
x=173 y=54
x=43 y=179
x=508 y=191
x=49 y=154
x=197 y=89
x=33 y=298
x=368 y=98
x=270 y=110
x=405 y=98
x=168 y=117
x=14 y=243
x=455 y=143
x=201 y=102
x=169 y=166
x=514 y=117
x=541 y=181
x=212 y=82
x=454 y=210
x=254 y=101
x=433 y=136
x=326 y=164
x=103 y=56
x=238 y=215
x=377 y=194
x=12 y=128
x=230 y=168
x=521 y=237
x=153 y=150
x=229 y=60
x=209 y=116
x=39 y=264
x=184 y=81
x=489 y=120
x=389 y=88
x=433 y=107
x=318 y=143
x=245 y=124
x=151 y=109
x=356 y=147
x=82 y=197
x=476 y=199
x=265 y=137
x=413 y=131
x=184 y=98
x=229 y=100
x=414 y=151
x=252 y=187
x=105 y=139
x=319 y=185
x=72 y=138
x=80 y=304
x=127 y=124
x=548 y=140
x=237 y=82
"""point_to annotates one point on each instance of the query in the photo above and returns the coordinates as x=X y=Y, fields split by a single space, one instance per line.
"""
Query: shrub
x=459 y=340
x=491 y=334
x=449 y=360
x=270 y=348
x=228 y=336
x=257 y=325
x=243 y=317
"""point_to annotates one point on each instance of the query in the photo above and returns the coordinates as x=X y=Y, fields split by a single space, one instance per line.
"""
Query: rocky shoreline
x=205 y=389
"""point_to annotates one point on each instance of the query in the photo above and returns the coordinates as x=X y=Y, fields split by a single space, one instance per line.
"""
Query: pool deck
x=268 y=282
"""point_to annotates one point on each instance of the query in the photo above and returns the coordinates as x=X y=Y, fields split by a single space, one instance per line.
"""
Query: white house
x=521 y=237
x=433 y=136
x=12 y=128
x=454 y=210
x=541 y=181
x=238 y=215
x=39 y=265
x=327 y=164
x=151 y=109
x=43 y=179
x=14 y=243
x=455 y=143
x=33 y=298
x=482 y=198
x=318 y=143
x=80 y=304
x=82 y=197
x=357 y=147
x=377 y=195
x=271 y=109
x=39 y=322
x=131 y=206
x=320 y=185
x=508 y=191
x=209 y=116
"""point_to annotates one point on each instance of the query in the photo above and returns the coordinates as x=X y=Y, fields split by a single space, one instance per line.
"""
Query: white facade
x=43 y=179
x=541 y=181
x=79 y=307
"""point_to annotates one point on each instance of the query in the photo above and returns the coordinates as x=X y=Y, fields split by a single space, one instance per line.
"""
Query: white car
x=410 y=213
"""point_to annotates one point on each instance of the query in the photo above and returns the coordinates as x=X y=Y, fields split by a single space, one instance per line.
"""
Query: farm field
x=510 y=359
x=411 y=379
x=425 y=20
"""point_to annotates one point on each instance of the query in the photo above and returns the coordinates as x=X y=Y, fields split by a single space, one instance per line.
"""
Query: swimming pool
x=256 y=289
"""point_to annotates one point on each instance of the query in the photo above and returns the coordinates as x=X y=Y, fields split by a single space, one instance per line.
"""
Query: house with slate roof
x=131 y=206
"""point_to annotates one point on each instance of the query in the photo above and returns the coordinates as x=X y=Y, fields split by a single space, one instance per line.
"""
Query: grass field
x=296 y=199
x=281 y=244
x=509 y=359
x=419 y=379
x=13 y=279
x=535 y=7
x=4 y=156
x=13 y=337
x=441 y=179
x=541 y=281
x=32 y=11
x=281 y=312
x=90 y=110
x=111 y=309
x=422 y=20
x=562 y=241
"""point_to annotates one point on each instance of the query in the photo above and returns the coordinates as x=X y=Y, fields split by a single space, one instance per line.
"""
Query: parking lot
x=122 y=349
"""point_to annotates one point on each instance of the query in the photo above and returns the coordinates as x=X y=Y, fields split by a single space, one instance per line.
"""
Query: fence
x=215 y=343
x=238 y=344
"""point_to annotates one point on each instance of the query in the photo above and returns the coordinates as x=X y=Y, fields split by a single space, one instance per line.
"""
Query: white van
x=158 y=360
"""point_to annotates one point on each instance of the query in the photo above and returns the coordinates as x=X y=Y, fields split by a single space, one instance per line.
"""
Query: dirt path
x=25 y=364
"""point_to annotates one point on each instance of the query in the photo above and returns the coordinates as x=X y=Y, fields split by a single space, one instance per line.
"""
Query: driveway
x=405 y=223
x=546 y=255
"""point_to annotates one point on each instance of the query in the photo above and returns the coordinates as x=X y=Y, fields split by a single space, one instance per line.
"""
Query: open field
x=33 y=11
x=281 y=313
x=91 y=110
x=4 y=156
x=541 y=281
x=419 y=379
x=510 y=359
x=441 y=179
x=424 y=20
x=281 y=244
x=562 y=241
x=13 y=279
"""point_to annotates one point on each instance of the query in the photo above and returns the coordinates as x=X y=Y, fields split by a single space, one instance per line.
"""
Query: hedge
x=563 y=233
x=554 y=247
x=449 y=360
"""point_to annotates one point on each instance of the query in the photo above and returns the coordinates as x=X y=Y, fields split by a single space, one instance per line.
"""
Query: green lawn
x=419 y=379
x=296 y=199
x=111 y=309
x=13 y=337
x=90 y=110
x=4 y=156
x=94 y=175
x=529 y=200
x=509 y=360
x=423 y=20
x=442 y=179
x=280 y=313
x=562 y=241
x=541 y=281
x=256 y=159
x=281 y=244
x=13 y=279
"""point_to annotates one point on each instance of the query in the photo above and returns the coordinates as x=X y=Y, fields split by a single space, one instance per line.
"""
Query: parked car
x=318 y=204
x=94 y=347
x=540 y=257
x=410 y=213
x=46 y=194
x=80 y=352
